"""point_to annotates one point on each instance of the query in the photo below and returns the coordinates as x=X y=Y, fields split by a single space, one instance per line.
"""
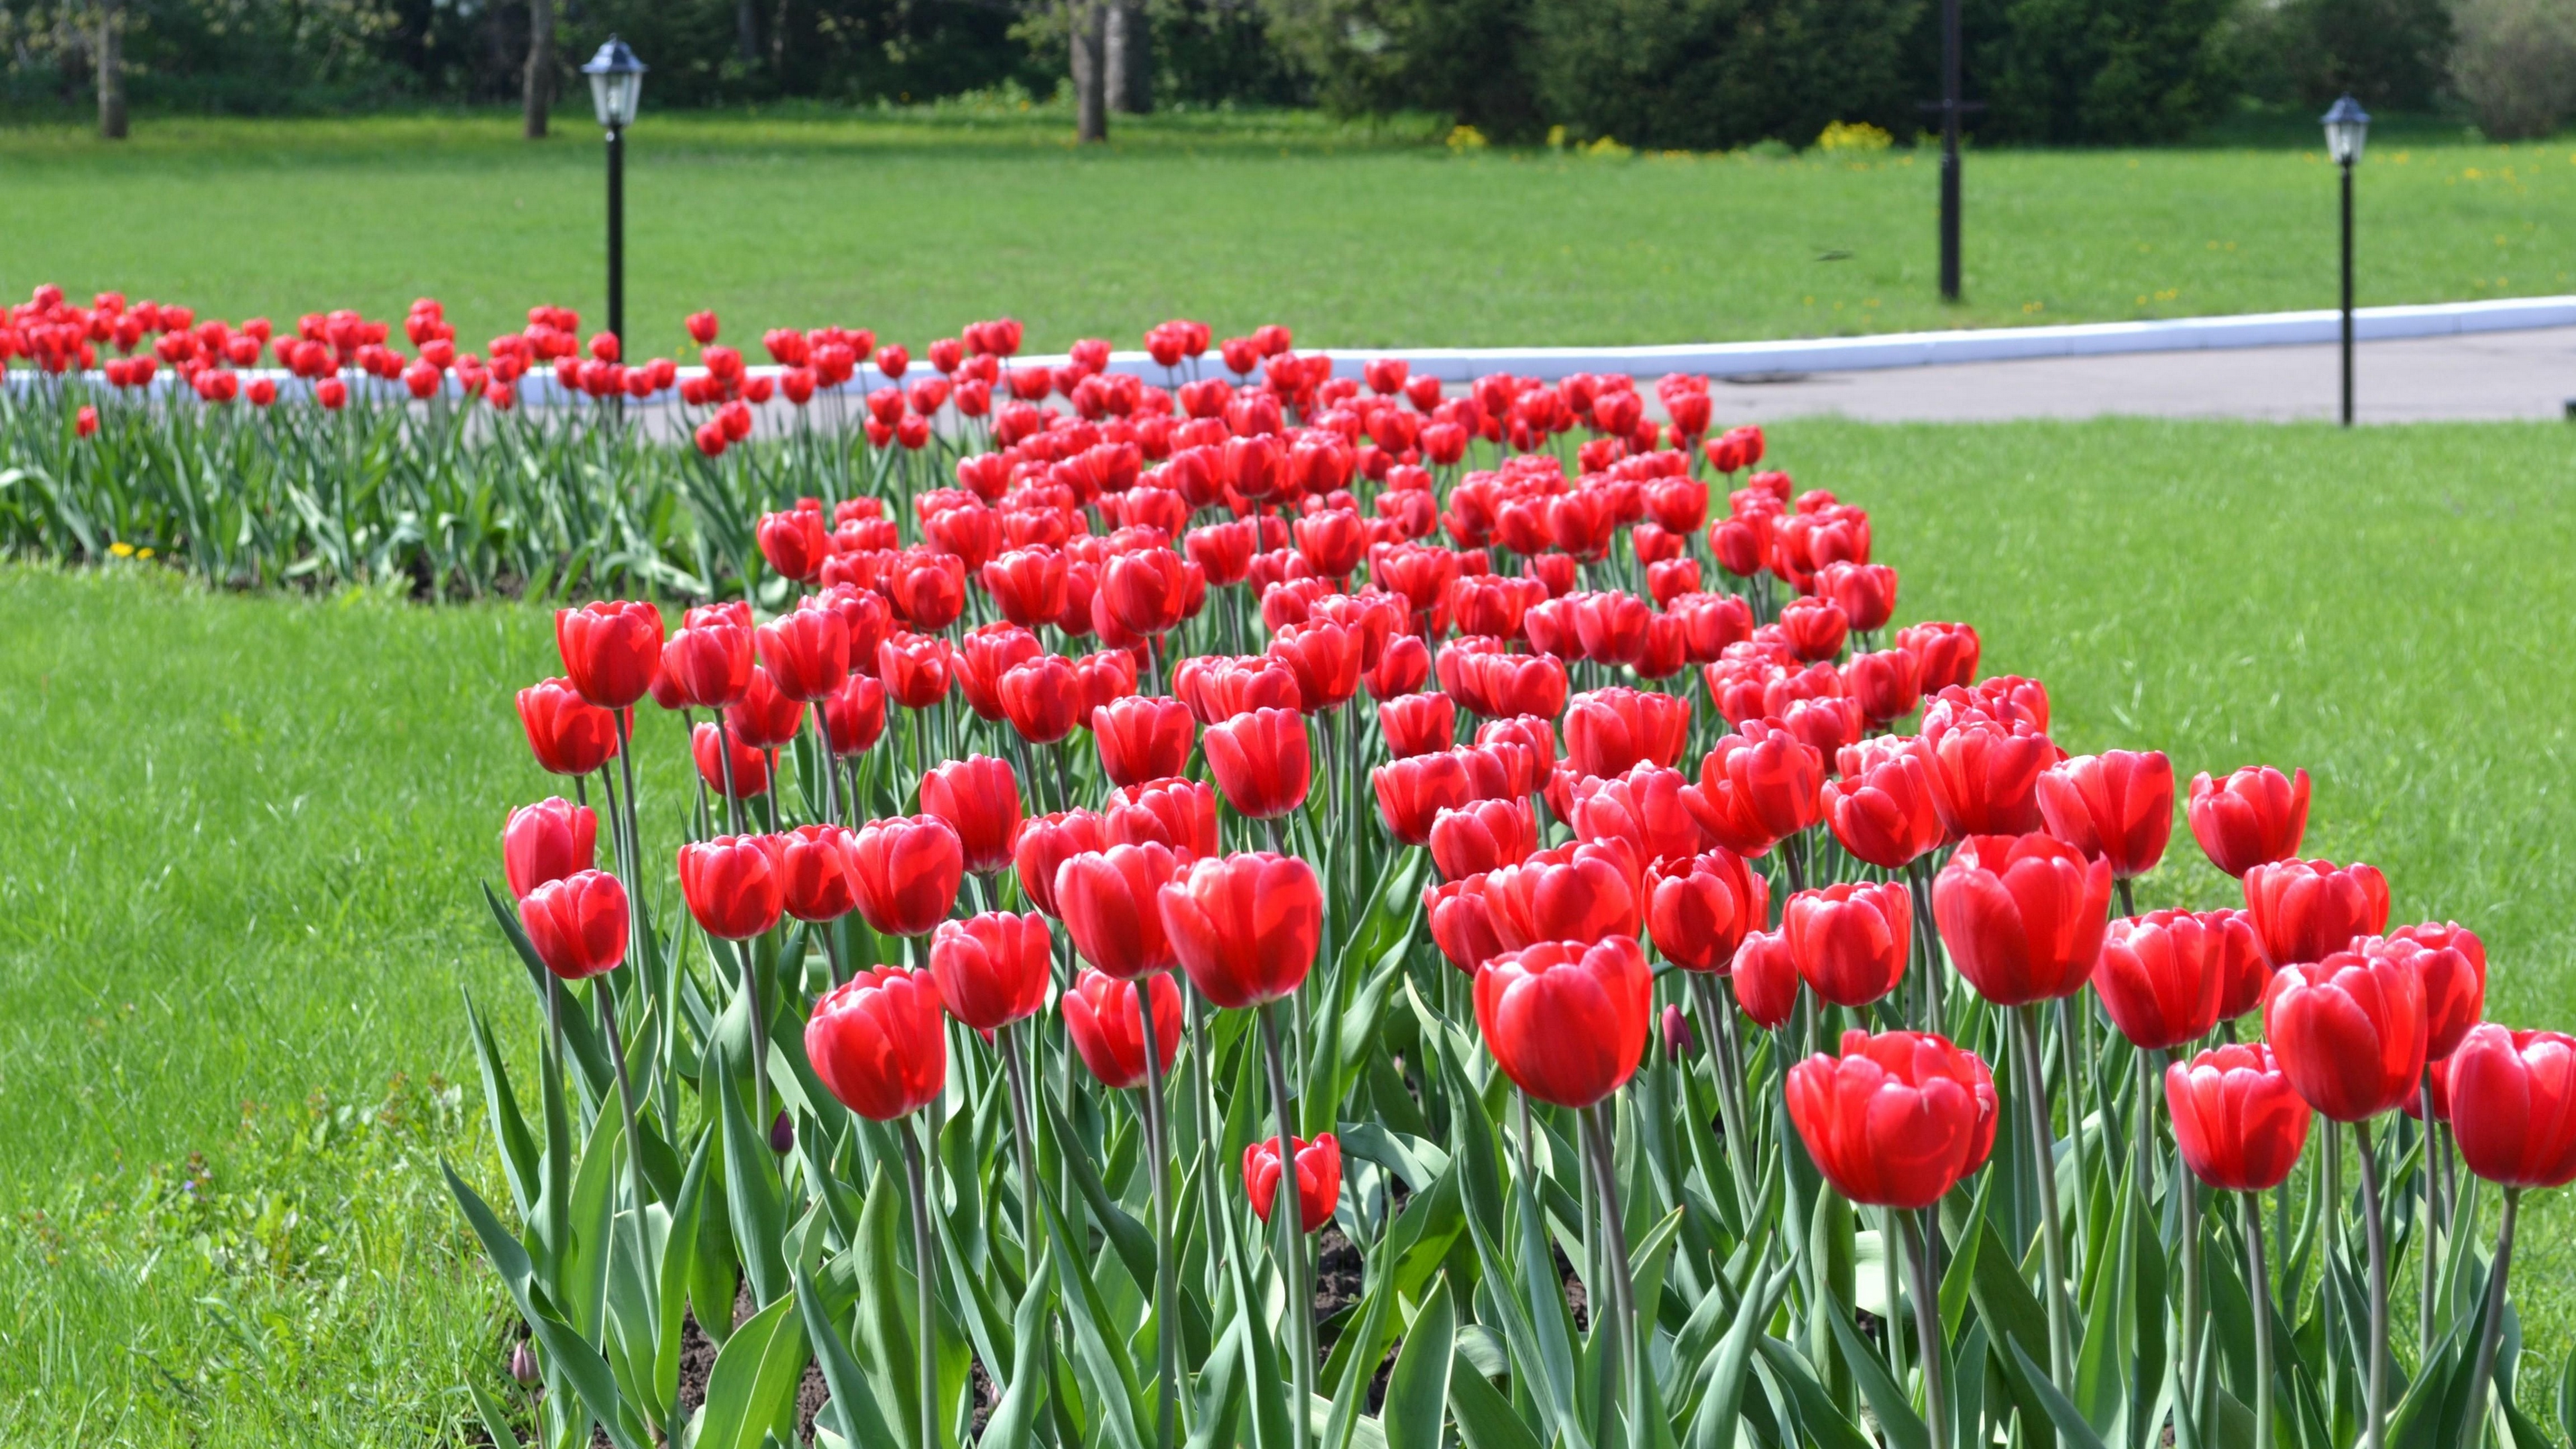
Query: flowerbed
x=1066 y=838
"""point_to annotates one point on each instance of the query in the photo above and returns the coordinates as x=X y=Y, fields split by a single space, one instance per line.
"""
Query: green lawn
x=913 y=224
x=240 y=836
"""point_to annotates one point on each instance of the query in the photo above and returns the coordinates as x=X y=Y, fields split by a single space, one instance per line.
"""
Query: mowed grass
x=914 y=223
x=240 y=839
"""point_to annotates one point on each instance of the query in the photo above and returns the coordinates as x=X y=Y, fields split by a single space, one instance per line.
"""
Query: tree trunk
x=1090 y=70
x=746 y=33
x=111 y=72
x=537 y=85
x=1130 y=43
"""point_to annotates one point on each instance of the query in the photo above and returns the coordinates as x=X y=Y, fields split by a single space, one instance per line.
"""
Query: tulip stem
x=724 y=759
x=1593 y=1125
x=924 y=1264
x=2078 y=1097
x=1203 y=1096
x=2473 y=1429
x=1024 y=1142
x=823 y=738
x=2375 y=1239
x=2052 y=1229
x=759 y=1051
x=1927 y=1324
x=2259 y=1280
x=1159 y=1170
x=1284 y=1225
x=1719 y=1018
x=2432 y=1218
x=625 y=1094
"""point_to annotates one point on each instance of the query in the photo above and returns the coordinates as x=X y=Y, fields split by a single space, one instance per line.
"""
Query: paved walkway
x=2480 y=376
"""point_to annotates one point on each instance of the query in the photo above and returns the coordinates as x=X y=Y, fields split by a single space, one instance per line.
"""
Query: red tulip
x=1866 y=593
x=986 y=654
x=2306 y=909
x=991 y=969
x=915 y=669
x=2437 y=1083
x=927 y=588
x=1142 y=738
x=2162 y=977
x=1482 y=836
x=610 y=650
x=568 y=734
x=545 y=842
x=1319 y=1178
x=1040 y=698
x=1947 y=652
x=1175 y=812
x=1886 y=685
x=906 y=869
x=878 y=1043
x=1766 y=979
x=1417 y=724
x=764 y=718
x=1885 y=813
x=1325 y=658
x=2452 y=962
x=1109 y=906
x=2349 y=1030
x=1246 y=926
x=979 y=797
x=2236 y=1118
x=1027 y=584
x=1403 y=668
x=709 y=665
x=577 y=925
x=794 y=543
x=2513 y=1096
x=1146 y=592
x=1984 y=772
x=1896 y=1120
x=1850 y=941
x=2022 y=915
x=854 y=715
x=2243 y=969
x=1048 y=841
x=1412 y=792
x=814 y=872
x=807 y=653
x=1760 y=785
x=1608 y=730
x=1648 y=807
x=1700 y=908
x=733 y=884
x=1261 y=762
x=2253 y=817
x=2117 y=805
x=1566 y=1021
x=1578 y=893
x=1218 y=688
x=1816 y=628
x=710 y=749
x=1107 y=1024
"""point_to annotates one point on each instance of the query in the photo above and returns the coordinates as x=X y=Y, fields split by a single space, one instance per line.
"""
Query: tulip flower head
x=2253 y=817
x=906 y=870
x=877 y=1043
x=1700 y=908
x=2513 y=1106
x=814 y=872
x=1246 y=927
x=1103 y=1017
x=991 y=970
x=2307 y=909
x=979 y=797
x=1850 y=941
x=2349 y=1030
x=1565 y=1021
x=1319 y=1178
x=1261 y=762
x=2452 y=962
x=2162 y=977
x=577 y=925
x=2115 y=806
x=1110 y=901
x=1766 y=979
x=611 y=651
x=734 y=884
x=567 y=733
x=2022 y=915
x=545 y=842
x=2237 y=1119
x=1897 y=1119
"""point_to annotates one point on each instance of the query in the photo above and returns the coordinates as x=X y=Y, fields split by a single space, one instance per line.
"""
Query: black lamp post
x=616 y=89
x=2347 y=126
x=1949 y=150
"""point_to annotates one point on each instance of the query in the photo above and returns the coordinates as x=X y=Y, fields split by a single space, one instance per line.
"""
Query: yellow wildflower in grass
x=1609 y=149
x=1853 y=136
x=1466 y=138
x=121 y=549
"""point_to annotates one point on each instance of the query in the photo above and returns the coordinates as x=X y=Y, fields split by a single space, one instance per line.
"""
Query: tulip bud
x=523 y=1365
x=1678 y=1040
x=782 y=1133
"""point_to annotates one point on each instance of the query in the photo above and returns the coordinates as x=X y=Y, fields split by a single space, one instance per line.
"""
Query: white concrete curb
x=1741 y=359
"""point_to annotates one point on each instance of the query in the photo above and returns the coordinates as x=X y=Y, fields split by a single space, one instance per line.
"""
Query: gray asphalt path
x=2483 y=376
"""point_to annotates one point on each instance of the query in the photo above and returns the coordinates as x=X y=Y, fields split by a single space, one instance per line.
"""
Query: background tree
x=111 y=71
x=538 y=83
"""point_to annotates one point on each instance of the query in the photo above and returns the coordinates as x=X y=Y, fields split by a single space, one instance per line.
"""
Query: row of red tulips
x=1828 y=879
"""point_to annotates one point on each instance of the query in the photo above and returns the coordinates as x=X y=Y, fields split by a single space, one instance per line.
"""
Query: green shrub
x=2515 y=64
x=1717 y=73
